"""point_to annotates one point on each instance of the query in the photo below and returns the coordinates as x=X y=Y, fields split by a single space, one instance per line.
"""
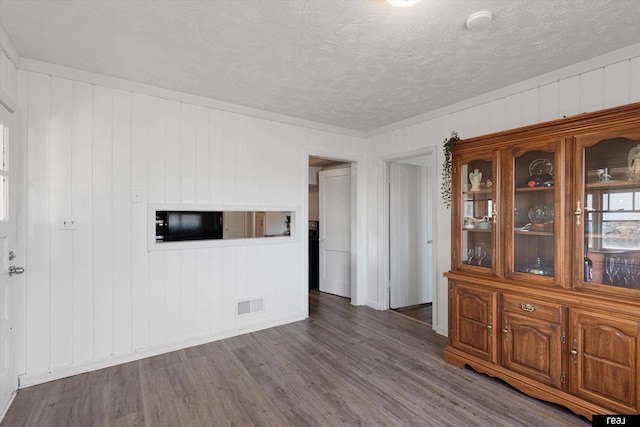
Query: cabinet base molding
x=524 y=384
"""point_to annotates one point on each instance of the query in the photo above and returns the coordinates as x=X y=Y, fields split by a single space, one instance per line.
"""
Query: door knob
x=15 y=270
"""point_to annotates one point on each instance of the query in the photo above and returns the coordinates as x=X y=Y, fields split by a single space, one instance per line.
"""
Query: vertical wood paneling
x=202 y=153
x=156 y=150
x=477 y=120
x=216 y=295
x=260 y=153
x=173 y=187
x=216 y=144
x=173 y=301
x=204 y=287
x=188 y=154
x=549 y=102
x=140 y=272
x=530 y=107
x=270 y=170
x=569 y=96
x=616 y=84
x=38 y=238
x=188 y=292
x=103 y=265
x=254 y=283
x=157 y=261
x=592 y=91
x=241 y=147
x=253 y=160
x=229 y=140
x=122 y=267
x=228 y=294
x=513 y=105
x=498 y=115
x=240 y=290
x=158 y=315
x=89 y=146
x=173 y=151
x=61 y=245
x=291 y=165
x=82 y=207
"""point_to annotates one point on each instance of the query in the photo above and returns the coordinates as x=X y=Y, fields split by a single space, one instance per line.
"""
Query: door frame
x=358 y=214
x=384 y=224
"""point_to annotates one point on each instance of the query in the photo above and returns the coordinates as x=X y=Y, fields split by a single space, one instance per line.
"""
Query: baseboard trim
x=6 y=408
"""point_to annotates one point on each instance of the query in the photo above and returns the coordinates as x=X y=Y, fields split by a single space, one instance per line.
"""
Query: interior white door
x=234 y=225
x=407 y=251
x=334 y=189
x=8 y=293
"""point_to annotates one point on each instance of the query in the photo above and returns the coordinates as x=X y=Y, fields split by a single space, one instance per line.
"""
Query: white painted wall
x=607 y=81
x=96 y=296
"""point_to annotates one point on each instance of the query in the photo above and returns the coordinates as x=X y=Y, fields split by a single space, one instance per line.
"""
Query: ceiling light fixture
x=402 y=3
x=479 y=20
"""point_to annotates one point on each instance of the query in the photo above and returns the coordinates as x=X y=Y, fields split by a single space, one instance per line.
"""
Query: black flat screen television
x=188 y=225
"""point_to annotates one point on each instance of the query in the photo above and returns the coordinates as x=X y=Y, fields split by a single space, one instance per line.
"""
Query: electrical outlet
x=69 y=223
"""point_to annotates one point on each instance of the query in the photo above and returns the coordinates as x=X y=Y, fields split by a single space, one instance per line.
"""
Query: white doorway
x=8 y=288
x=410 y=249
x=332 y=208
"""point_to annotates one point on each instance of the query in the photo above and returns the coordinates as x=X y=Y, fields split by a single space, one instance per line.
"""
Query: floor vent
x=250 y=306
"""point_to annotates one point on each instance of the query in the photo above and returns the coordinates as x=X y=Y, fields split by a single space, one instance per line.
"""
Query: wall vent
x=250 y=306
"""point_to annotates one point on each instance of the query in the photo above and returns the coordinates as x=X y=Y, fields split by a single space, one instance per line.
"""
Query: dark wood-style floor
x=344 y=365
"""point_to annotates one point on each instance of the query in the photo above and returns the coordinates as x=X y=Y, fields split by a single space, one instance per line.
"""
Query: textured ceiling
x=358 y=64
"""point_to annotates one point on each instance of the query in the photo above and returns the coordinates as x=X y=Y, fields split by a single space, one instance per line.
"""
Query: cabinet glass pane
x=533 y=213
x=477 y=208
x=612 y=213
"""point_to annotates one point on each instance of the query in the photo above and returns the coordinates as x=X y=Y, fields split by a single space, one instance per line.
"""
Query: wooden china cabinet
x=544 y=288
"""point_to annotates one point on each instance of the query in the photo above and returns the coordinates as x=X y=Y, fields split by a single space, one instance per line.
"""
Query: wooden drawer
x=532 y=307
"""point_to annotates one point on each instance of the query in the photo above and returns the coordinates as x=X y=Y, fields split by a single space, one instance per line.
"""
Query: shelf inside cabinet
x=478 y=192
x=534 y=233
x=529 y=189
x=477 y=230
x=599 y=211
x=612 y=184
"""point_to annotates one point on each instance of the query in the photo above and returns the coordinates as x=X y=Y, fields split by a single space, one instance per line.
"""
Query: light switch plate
x=69 y=223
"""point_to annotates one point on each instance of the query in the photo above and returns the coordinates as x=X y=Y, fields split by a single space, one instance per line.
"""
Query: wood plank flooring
x=344 y=365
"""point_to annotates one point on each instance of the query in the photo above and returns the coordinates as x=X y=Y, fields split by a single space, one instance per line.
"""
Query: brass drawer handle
x=528 y=307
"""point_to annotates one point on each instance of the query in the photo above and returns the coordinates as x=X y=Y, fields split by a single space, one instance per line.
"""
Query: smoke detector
x=402 y=3
x=479 y=20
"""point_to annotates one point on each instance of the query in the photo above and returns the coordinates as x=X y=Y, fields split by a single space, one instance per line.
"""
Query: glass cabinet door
x=534 y=177
x=477 y=196
x=607 y=212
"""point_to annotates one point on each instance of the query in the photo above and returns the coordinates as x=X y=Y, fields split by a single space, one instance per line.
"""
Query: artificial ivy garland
x=446 y=168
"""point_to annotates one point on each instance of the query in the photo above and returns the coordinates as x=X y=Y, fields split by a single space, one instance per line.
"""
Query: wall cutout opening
x=191 y=226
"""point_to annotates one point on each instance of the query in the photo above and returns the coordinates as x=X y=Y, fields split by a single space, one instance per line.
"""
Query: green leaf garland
x=446 y=168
